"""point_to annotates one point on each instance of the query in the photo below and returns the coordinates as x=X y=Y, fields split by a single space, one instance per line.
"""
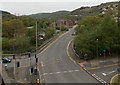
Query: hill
x=50 y=15
x=94 y=10
x=75 y=14
x=5 y=12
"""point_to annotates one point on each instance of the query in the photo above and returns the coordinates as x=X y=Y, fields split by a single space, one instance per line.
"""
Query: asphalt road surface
x=106 y=73
x=56 y=65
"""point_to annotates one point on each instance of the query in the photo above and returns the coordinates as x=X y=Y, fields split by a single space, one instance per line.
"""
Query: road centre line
x=58 y=72
x=61 y=72
x=76 y=70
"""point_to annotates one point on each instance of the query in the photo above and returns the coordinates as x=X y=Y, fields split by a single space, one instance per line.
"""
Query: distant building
x=66 y=23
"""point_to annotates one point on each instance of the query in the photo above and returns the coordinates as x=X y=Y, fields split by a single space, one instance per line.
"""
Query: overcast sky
x=25 y=7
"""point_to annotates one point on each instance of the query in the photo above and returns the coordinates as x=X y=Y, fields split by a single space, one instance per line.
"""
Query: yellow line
x=93 y=68
x=68 y=52
x=111 y=65
x=111 y=81
x=102 y=67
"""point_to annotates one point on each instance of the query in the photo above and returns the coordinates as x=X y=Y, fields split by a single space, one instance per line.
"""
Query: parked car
x=6 y=60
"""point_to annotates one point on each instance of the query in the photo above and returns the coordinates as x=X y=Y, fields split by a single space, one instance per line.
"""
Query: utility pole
x=36 y=35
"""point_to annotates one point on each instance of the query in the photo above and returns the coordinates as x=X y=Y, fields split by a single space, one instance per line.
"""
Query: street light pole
x=97 y=47
x=104 y=54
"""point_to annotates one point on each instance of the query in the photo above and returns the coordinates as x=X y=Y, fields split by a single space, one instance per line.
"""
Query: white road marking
x=111 y=72
x=76 y=70
x=70 y=71
x=104 y=74
x=42 y=64
x=50 y=73
x=60 y=72
x=45 y=73
x=64 y=71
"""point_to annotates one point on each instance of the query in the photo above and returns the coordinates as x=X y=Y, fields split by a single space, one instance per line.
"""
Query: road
x=106 y=73
x=58 y=68
x=55 y=65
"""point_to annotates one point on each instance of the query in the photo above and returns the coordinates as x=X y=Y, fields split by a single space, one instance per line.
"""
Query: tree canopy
x=96 y=33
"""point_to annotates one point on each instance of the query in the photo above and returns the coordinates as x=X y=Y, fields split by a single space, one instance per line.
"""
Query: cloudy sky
x=26 y=7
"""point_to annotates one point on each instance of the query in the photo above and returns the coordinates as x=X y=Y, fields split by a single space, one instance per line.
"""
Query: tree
x=13 y=28
x=49 y=32
x=27 y=21
x=95 y=33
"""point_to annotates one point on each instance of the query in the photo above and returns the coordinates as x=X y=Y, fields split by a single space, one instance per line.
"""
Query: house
x=67 y=23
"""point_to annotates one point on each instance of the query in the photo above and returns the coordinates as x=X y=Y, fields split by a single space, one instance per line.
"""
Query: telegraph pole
x=36 y=36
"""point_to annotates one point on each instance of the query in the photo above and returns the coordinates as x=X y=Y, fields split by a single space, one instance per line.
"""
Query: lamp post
x=97 y=47
x=104 y=54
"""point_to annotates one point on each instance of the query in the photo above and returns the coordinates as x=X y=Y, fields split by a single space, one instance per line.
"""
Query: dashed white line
x=60 y=72
x=64 y=71
x=76 y=70
x=50 y=73
x=104 y=74
x=70 y=71
x=45 y=73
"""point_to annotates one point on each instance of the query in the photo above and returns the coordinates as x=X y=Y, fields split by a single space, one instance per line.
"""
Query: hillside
x=75 y=14
x=50 y=15
x=5 y=12
x=94 y=10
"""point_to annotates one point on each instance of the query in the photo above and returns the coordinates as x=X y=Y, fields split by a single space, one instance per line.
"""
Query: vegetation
x=97 y=36
x=19 y=33
x=50 y=15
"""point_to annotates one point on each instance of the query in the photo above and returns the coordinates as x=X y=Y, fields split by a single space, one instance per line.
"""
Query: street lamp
x=104 y=54
x=97 y=47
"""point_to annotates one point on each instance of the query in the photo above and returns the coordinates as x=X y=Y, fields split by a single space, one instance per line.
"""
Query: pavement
x=103 y=69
